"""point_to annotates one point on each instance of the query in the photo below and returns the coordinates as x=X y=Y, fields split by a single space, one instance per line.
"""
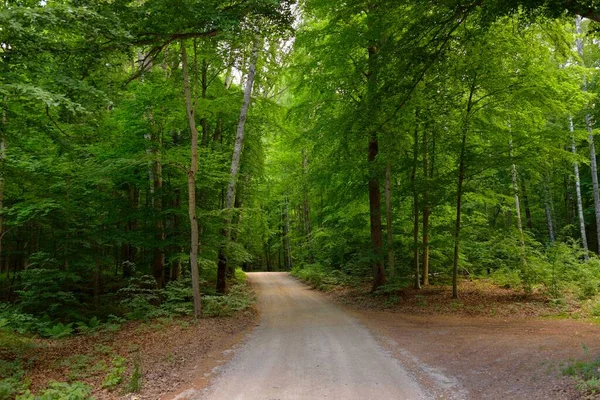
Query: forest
x=153 y=151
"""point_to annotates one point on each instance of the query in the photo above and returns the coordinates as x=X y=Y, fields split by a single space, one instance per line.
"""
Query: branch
x=158 y=48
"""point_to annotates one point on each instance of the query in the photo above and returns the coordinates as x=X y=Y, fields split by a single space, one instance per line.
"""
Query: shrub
x=239 y=298
x=116 y=374
x=62 y=391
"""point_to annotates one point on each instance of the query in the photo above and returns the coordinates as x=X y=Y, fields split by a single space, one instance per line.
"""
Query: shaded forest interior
x=149 y=150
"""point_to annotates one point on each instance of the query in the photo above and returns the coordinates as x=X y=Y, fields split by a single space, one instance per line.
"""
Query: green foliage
x=79 y=365
x=135 y=381
x=58 y=331
x=587 y=374
x=48 y=291
x=60 y=390
x=319 y=277
x=12 y=380
x=237 y=299
x=116 y=373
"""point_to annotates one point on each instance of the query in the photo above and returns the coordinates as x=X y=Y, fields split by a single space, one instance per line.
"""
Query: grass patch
x=586 y=374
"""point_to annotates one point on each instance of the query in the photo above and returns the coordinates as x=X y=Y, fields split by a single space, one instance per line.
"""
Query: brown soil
x=169 y=352
x=493 y=343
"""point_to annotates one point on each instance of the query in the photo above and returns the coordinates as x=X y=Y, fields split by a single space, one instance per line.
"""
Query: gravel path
x=307 y=348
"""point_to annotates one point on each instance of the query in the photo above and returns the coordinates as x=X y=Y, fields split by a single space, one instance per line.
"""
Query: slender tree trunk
x=374 y=191
x=204 y=88
x=461 y=178
x=3 y=132
x=235 y=167
x=388 y=219
x=515 y=181
x=426 y=207
x=459 y=192
x=191 y=179
x=549 y=215
x=236 y=222
x=526 y=204
x=569 y=207
x=413 y=178
x=158 y=263
x=593 y=163
x=176 y=264
x=578 y=193
x=287 y=249
x=306 y=205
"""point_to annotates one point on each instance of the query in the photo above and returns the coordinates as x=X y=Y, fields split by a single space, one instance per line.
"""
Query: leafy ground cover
x=146 y=353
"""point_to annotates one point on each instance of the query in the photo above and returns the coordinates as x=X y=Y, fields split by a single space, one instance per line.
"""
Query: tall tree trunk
x=515 y=184
x=426 y=207
x=306 y=205
x=578 y=193
x=590 y=129
x=388 y=219
x=548 y=209
x=413 y=178
x=526 y=204
x=235 y=167
x=191 y=179
x=158 y=263
x=3 y=132
x=128 y=251
x=236 y=222
x=459 y=192
x=378 y=268
x=287 y=249
x=204 y=88
x=176 y=263
x=569 y=205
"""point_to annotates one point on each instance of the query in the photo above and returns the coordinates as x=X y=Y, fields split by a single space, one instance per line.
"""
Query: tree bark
x=578 y=193
x=235 y=167
x=287 y=249
x=204 y=88
x=590 y=129
x=388 y=219
x=378 y=268
x=158 y=263
x=413 y=178
x=427 y=174
x=548 y=210
x=3 y=132
x=515 y=184
x=459 y=192
x=191 y=179
x=526 y=204
x=306 y=205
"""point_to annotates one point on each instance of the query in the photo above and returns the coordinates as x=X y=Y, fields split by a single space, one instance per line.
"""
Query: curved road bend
x=307 y=348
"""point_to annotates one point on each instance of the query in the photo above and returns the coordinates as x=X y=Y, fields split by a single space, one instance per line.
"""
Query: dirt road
x=307 y=348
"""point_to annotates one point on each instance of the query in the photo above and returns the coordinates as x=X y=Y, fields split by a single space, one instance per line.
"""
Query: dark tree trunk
x=459 y=192
x=374 y=190
x=526 y=204
x=413 y=178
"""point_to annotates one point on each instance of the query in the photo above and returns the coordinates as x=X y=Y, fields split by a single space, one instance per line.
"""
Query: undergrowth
x=321 y=278
x=585 y=373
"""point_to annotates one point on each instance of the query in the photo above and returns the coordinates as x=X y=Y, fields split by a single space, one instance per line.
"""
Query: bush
x=62 y=391
x=317 y=276
x=48 y=292
x=239 y=298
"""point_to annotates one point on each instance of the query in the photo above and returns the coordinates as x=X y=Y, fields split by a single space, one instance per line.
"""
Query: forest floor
x=492 y=343
x=169 y=354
